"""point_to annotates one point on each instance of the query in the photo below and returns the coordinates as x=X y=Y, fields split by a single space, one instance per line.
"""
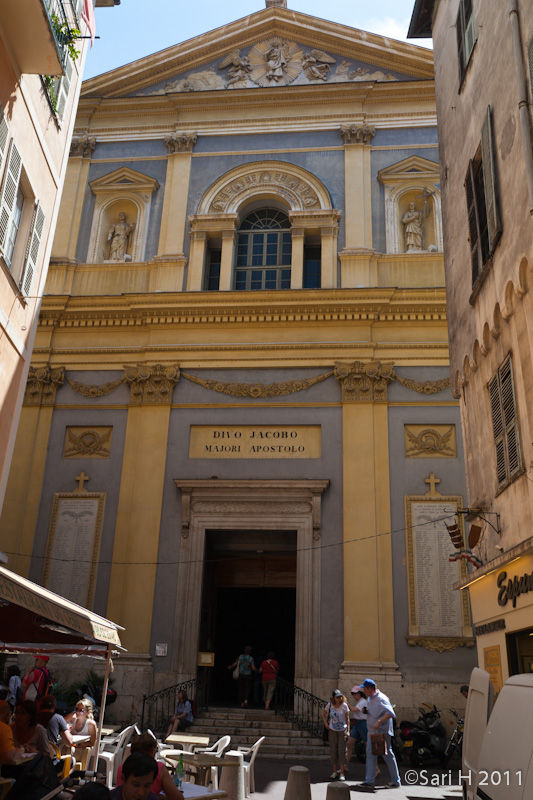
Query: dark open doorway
x=249 y=597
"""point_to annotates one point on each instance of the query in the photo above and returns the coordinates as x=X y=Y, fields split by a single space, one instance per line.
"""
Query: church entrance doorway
x=249 y=598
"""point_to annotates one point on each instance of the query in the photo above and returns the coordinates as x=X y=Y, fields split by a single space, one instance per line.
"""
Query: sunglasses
x=82 y=710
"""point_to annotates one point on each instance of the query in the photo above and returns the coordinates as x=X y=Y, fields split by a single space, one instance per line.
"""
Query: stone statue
x=414 y=237
x=239 y=70
x=277 y=58
x=118 y=237
x=316 y=65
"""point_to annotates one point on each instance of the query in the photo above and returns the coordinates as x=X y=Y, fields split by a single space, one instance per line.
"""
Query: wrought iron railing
x=299 y=707
x=159 y=707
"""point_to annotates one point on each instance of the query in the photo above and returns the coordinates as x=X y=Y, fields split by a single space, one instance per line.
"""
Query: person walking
x=246 y=666
x=336 y=719
x=379 y=720
x=359 y=729
x=269 y=671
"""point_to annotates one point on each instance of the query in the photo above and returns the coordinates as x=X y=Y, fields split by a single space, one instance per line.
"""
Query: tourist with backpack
x=38 y=681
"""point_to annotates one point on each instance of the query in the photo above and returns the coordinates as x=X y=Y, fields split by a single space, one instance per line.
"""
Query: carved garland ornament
x=425 y=387
x=95 y=389
x=257 y=389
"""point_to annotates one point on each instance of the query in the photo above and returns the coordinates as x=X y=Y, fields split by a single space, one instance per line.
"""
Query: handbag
x=235 y=673
x=379 y=744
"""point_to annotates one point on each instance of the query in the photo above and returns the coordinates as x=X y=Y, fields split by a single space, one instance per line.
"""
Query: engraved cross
x=81 y=478
x=432 y=481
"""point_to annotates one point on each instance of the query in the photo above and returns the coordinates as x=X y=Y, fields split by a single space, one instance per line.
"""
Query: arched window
x=264 y=251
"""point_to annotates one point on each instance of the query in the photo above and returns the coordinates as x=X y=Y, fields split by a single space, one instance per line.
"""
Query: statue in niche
x=277 y=58
x=118 y=237
x=316 y=65
x=239 y=70
x=414 y=229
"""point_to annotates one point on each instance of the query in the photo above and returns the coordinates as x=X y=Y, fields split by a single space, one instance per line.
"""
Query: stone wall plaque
x=430 y=441
x=73 y=545
x=436 y=610
x=255 y=441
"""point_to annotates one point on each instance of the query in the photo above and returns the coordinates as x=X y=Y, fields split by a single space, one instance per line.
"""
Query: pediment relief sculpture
x=273 y=62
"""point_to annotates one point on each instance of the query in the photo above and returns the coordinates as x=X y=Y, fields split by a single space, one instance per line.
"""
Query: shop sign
x=490 y=627
x=512 y=589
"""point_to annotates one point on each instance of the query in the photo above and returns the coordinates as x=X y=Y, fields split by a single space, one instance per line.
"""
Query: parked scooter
x=425 y=739
x=455 y=745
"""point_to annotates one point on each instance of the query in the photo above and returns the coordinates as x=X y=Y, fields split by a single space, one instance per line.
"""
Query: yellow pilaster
x=196 y=261
x=328 y=241
x=227 y=259
x=24 y=486
x=297 y=258
x=133 y=572
x=72 y=201
x=368 y=601
x=357 y=179
x=174 y=215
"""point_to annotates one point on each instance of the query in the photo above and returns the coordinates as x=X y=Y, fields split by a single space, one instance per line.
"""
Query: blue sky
x=137 y=28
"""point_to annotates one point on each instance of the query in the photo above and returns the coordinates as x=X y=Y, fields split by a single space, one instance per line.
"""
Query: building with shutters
x=251 y=437
x=484 y=68
x=41 y=63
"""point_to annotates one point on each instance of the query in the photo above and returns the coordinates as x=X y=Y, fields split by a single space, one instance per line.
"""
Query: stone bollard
x=232 y=777
x=298 y=784
x=338 y=791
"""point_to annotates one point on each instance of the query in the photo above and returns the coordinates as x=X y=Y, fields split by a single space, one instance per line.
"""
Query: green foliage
x=50 y=83
x=66 y=36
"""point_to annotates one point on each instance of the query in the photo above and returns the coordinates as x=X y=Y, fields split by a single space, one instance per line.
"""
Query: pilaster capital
x=180 y=142
x=151 y=384
x=82 y=146
x=357 y=134
x=364 y=382
x=42 y=385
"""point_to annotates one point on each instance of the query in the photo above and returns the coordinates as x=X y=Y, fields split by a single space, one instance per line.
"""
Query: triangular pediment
x=124 y=178
x=272 y=48
x=413 y=167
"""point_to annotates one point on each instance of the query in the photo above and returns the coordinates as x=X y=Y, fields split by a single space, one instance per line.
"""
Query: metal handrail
x=159 y=707
x=301 y=708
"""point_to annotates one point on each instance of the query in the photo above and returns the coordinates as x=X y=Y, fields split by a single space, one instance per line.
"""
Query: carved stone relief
x=364 y=382
x=87 y=443
x=42 y=385
x=151 y=384
x=82 y=146
x=357 y=134
x=286 y=183
x=118 y=238
x=257 y=389
x=180 y=142
x=437 y=441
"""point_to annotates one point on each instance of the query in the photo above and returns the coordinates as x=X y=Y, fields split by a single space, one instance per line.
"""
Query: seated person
x=139 y=771
x=27 y=733
x=92 y=791
x=8 y=752
x=145 y=743
x=183 y=716
x=56 y=727
x=83 y=724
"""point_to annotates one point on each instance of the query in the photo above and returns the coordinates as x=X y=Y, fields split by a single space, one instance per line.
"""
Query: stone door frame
x=260 y=505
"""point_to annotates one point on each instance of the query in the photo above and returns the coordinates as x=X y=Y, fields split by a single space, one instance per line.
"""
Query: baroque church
x=238 y=427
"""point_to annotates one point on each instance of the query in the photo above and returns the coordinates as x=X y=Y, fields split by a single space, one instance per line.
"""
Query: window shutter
x=9 y=192
x=498 y=430
x=4 y=131
x=33 y=250
x=530 y=64
x=469 y=31
x=63 y=87
x=460 y=31
x=473 y=223
x=489 y=174
x=509 y=418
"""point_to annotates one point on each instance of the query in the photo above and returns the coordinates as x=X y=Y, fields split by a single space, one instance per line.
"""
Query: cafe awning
x=34 y=619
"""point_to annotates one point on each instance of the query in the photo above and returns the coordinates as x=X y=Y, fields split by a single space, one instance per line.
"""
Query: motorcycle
x=455 y=745
x=94 y=694
x=425 y=739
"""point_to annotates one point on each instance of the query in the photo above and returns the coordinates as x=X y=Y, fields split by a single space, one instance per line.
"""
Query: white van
x=498 y=740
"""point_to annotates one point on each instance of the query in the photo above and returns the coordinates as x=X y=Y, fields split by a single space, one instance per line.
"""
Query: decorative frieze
x=180 y=142
x=257 y=389
x=425 y=387
x=42 y=385
x=357 y=134
x=95 y=389
x=151 y=384
x=364 y=382
x=82 y=146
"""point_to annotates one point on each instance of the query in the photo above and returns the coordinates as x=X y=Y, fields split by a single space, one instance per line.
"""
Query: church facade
x=250 y=436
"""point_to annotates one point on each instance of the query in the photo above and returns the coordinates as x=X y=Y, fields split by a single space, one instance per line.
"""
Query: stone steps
x=245 y=726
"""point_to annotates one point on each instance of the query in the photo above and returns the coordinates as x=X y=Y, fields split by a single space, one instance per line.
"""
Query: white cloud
x=393 y=29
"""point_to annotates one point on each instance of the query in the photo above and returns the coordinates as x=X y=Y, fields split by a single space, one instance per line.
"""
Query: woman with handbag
x=242 y=668
x=269 y=671
x=336 y=717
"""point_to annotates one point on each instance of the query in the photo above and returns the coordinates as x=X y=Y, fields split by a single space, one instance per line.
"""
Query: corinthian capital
x=357 y=134
x=82 y=146
x=364 y=382
x=151 y=384
x=42 y=385
x=180 y=142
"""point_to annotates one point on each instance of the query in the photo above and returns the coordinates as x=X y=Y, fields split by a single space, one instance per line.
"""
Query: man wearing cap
x=379 y=720
x=37 y=681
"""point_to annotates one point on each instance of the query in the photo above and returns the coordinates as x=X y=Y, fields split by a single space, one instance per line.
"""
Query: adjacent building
x=483 y=67
x=249 y=436
x=41 y=63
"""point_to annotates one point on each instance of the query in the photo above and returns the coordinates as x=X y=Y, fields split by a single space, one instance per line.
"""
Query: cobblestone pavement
x=430 y=783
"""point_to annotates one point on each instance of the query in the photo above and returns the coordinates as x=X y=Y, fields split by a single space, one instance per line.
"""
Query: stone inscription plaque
x=255 y=441
x=435 y=608
x=73 y=546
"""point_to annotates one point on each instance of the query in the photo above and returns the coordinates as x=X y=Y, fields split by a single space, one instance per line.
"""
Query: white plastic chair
x=217 y=749
x=113 y=754
x=249 y=778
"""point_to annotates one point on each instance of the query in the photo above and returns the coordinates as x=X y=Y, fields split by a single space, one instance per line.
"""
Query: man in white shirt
x=379 y=720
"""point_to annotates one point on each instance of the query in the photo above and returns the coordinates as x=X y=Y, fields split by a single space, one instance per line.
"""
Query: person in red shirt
x=269 y=669
x=36 y=682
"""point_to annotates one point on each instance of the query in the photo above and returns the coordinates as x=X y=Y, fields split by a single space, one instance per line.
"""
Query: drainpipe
x=523 y=105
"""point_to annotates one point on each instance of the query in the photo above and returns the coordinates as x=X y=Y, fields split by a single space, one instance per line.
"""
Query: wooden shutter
x=4 y=132
x=9 y=192
x=473 y=223
x=489 y=176
x=498 y=429
x=63 y=87
x=32 y=252
x=509 y=418
x=460 y=32
x=470 y=35
x=530 y=64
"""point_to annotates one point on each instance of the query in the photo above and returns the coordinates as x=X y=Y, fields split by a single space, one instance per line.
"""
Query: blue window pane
x=256 y=281
x=285 y=282
x=271 y=278
x=240 y=280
